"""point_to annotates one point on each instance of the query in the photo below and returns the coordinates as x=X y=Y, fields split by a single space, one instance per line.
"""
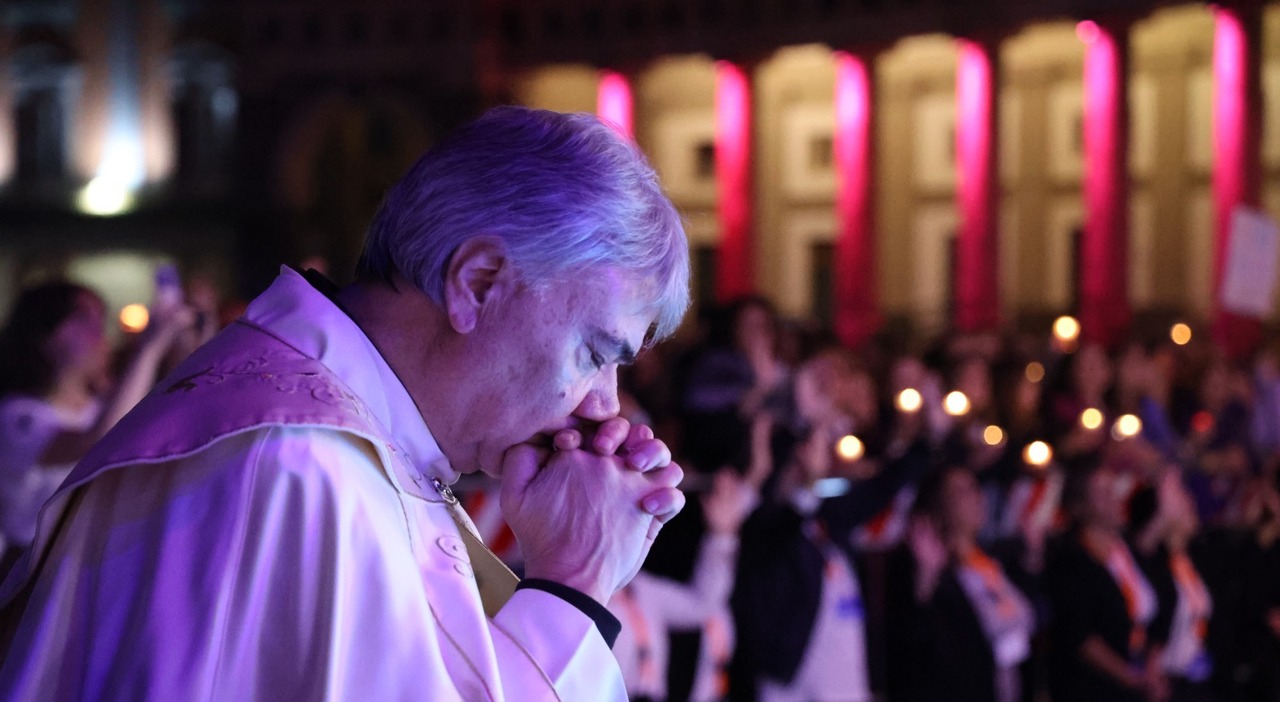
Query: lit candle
x=909 y=400
x=1091 y=418
x=850 y=448
x=1037 y=453
x=956 y=404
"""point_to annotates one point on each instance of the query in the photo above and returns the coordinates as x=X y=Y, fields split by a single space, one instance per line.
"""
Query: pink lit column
x=857 y=314
x=1237 y=166
x=614 y=102
x=733 y=180
x=1104 y=254
x=977 y=283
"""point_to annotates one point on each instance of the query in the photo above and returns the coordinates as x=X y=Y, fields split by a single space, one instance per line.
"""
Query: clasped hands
x=587 y=509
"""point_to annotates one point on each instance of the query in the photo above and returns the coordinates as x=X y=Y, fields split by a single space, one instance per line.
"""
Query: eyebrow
x=621 y=349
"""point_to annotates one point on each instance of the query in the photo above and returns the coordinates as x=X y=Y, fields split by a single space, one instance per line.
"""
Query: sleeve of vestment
x=278 y=564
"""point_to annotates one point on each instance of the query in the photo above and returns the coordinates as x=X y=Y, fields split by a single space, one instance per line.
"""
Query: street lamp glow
x=104 y=196
x=1181 y=334
x=993 y=435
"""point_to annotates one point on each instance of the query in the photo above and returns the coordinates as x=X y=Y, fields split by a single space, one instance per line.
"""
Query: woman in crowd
x=953 y=609
x=1162 y=520
x=733 y=378
x=1103 y=605
x=971 y=378
x=1220 y=444
x=1258 y=574
x=798 y=606
x=1144 y=387
x=57 y=394
x=1083 y=382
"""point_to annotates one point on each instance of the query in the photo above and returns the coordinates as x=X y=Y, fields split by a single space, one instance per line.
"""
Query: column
x=614 y=102
x=977 y=279
x=1237 y=166
x=733 y=180
x=857 y=314
x=1104 y=255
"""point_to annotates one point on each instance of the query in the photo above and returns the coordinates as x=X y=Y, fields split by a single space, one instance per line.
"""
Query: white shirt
x=834 y=666
x=27 y=426
x=651 y=606
x=1184 y=653
x=286 y=562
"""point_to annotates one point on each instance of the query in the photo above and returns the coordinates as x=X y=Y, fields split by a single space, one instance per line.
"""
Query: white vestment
x=263 y=527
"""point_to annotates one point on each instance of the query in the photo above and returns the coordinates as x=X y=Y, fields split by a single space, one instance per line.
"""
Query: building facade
x=927 y=164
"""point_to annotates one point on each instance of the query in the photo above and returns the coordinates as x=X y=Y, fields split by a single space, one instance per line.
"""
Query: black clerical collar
x=327 y=287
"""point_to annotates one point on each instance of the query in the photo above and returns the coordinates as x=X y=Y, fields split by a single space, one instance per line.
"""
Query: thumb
x=520 y=465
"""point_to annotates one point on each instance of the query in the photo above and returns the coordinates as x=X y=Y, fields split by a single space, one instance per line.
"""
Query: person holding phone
x=58 y=395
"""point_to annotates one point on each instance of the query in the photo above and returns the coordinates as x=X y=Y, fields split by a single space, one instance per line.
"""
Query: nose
x=601 y=400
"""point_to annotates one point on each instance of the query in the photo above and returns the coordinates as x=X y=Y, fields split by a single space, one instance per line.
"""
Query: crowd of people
x=982 y=517
x=986 y=518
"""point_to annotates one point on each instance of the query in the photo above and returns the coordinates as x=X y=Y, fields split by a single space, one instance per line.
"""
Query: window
x=45 y=81
x=705 y=270
x=704 y=160
x=822 y=280
x=1076 y=274
x=822 y=154
x=949 y=305
x=23 y=14
x=204 y=106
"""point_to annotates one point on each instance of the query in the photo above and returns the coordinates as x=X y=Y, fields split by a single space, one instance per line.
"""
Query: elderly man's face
x=551 y=359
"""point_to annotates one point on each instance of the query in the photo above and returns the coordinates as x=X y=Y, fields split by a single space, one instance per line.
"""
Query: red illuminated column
x=857 y=314
x=733 y=180
x=614 y=102
x=1104 y=254
x=1237 y=166
x=977 y=283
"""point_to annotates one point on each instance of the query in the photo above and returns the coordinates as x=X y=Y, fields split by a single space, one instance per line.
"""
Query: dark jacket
x=780 y=570
x=1086 y=602
x=937 y=649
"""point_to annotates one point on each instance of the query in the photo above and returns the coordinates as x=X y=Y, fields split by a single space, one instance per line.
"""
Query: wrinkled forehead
x=617 y=301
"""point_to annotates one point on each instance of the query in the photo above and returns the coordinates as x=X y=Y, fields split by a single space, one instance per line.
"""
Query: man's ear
x=478 y=272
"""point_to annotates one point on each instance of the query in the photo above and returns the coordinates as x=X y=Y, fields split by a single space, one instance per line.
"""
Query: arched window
x=46 y=80
x=204 y=105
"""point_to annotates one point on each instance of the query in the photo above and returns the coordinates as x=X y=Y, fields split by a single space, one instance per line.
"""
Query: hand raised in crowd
x=726 y=507
x=930 y=554
x=586 y=517
x=761 y=462
x=166 y=327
